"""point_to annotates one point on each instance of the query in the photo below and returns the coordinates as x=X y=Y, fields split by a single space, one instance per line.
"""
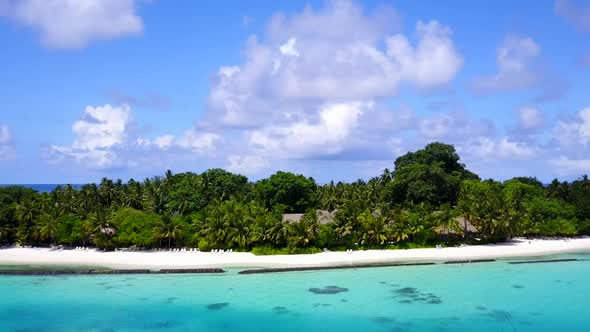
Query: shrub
x=204 y=245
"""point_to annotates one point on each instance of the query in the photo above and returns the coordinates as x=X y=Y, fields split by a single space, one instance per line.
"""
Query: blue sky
x=331 y=89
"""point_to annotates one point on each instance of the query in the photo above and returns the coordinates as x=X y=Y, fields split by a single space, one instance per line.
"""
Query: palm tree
x=47 y=229
x=88 y=200
x=278 y=233
x=102 y=222
x=5 y=233
x=398 y=231
x=133 y=195
x=27 y=211
x=67 y=200
x=373 y=227
x=446 y=222
x=169 y=229
x=155 y=196
x=303 y=232
x=328 y=198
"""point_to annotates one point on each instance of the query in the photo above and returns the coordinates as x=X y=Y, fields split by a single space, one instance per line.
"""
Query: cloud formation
x=322 y=87
x=7 y=149
x=515 y=60
x=314 y=87
x=530 y=118
x=75 y=23
x=570 y=145
x=104 y=139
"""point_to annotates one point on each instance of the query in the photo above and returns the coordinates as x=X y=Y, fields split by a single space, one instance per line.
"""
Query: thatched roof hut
x=462 y=224
x=324 y=217
x=108 y=231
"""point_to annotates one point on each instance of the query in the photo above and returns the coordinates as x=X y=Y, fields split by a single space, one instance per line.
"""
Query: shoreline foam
x=186 y=260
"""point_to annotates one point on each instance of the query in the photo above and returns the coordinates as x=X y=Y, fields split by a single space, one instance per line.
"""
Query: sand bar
x=183 y=260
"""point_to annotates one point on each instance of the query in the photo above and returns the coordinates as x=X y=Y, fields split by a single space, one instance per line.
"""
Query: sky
x=335 y=90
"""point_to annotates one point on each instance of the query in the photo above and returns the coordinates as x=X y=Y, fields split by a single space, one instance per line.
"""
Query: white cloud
x=102 y=129
x=585 y=125
x=574 y=132
x=515 y=59
x=567 y=166
x=104 y=139
x=530 y=118
x=433 y=62
x=7 y=149
x=314 y=86
x=164 y=142
x=288 y=48
x=569 y=148
x=198 y=142
x=5 y=135
x=327 y=135
x=503 y=149
x=246 y=164
x=436 y=127
x=75 y=23
x=453 y=127
x=579 y=16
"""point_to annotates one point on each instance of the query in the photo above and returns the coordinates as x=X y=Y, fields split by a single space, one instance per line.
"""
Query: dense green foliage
x=422 y=201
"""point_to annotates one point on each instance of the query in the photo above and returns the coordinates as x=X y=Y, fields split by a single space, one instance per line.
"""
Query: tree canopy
x=429 y=197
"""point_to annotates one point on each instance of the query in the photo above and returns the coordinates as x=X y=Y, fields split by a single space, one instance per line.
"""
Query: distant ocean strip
x=42 y=188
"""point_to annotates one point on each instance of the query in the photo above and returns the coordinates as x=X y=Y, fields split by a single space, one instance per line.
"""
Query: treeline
x=429 y=197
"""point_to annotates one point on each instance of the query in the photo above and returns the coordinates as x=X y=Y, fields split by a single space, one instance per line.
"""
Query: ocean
x=494 y=296
x=41 y=187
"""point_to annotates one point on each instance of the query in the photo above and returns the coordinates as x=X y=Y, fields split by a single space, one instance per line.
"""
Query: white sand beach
x=163 y=260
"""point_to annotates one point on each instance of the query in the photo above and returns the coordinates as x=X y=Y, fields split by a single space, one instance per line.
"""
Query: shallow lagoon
x=484 y=297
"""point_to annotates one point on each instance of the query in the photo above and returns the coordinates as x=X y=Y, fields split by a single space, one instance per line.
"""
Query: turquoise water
x=472 y=297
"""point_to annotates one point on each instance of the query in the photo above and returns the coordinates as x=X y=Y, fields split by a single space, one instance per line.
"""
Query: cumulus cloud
x=101 y=129
x=104 y=139
x=7 y=149
x=433 y=62
x=75 y=23
x=503 y=149
x=576 y=131
x=314 y=87
x=326 y=135
x=515 y=59
x=530 y=118
x=246 y=164
x=570 y=146
x=453 y=127
x=578 y=15
x=567 y=166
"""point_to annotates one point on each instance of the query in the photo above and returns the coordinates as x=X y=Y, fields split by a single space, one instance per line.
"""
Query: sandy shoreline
x=166 y=260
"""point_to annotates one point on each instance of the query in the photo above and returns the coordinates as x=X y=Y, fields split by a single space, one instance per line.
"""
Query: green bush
x=204 y=245
x=268 y=250
x=556 y=227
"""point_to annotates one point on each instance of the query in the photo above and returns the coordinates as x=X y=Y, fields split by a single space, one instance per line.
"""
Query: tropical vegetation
x=418 y=203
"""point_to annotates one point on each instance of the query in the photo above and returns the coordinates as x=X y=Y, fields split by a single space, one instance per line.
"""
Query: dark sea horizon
x=41 y=187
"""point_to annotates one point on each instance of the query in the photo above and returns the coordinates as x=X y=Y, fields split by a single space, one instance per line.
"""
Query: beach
x=170 y=259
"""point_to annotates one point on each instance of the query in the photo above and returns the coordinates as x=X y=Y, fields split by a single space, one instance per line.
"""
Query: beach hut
x=462 y=226
x=324 y=217
x=108 y=231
